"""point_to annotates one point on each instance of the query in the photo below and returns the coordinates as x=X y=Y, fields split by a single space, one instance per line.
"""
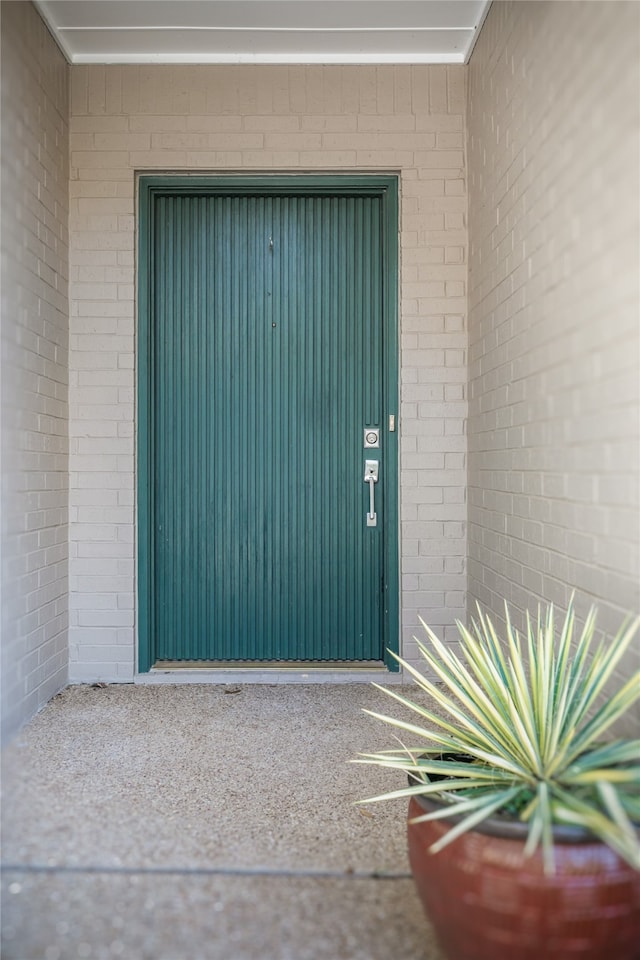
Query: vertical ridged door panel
x=266 y=358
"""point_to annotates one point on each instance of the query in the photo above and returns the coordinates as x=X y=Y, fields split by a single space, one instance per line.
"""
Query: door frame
x=386 y=188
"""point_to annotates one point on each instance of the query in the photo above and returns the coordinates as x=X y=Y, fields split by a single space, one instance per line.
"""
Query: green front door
x=267 y=348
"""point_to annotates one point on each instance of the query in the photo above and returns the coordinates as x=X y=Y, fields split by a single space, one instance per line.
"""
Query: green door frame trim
x=385 y=187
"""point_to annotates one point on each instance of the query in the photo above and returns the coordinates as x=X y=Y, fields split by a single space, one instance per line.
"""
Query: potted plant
x=541 y=858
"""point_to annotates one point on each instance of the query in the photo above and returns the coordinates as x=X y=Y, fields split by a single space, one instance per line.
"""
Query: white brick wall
x=553 y=159
x=34 y=187
x=553 y=154
x=408 y=120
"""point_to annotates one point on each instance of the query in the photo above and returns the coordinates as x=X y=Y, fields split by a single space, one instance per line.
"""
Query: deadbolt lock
x=371 y=437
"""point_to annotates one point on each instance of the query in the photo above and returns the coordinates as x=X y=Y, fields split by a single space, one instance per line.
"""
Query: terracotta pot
x=487 y=901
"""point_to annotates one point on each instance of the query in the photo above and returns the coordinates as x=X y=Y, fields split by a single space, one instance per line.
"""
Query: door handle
x=371 y=477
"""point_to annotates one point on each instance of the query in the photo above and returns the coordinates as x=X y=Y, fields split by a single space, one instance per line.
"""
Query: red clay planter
x=488 y=902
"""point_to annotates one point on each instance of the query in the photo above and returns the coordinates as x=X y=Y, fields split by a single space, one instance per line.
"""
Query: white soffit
x=265 y=31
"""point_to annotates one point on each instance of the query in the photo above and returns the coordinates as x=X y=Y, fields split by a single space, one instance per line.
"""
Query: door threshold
x=214 y=672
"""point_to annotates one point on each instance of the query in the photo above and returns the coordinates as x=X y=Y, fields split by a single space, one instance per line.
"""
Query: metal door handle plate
x=371 y=437
x=371 y=477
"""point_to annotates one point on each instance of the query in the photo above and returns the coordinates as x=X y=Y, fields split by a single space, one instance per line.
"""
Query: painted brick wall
x=35 y=322
x=408 y=120
x=553 y=155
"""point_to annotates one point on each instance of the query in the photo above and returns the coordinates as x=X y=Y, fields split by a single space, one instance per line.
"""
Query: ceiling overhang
x=265 y=31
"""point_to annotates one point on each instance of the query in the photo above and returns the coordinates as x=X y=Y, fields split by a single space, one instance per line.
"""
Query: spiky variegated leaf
x=524 y=712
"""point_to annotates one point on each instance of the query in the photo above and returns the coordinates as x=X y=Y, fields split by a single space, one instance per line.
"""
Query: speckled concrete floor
x=204 y=822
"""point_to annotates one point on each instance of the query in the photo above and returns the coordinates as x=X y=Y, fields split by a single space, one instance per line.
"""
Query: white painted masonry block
x=554 y=337
x=381 y=119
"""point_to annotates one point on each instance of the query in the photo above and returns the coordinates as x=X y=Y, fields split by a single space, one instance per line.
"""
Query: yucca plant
x=528 y=714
